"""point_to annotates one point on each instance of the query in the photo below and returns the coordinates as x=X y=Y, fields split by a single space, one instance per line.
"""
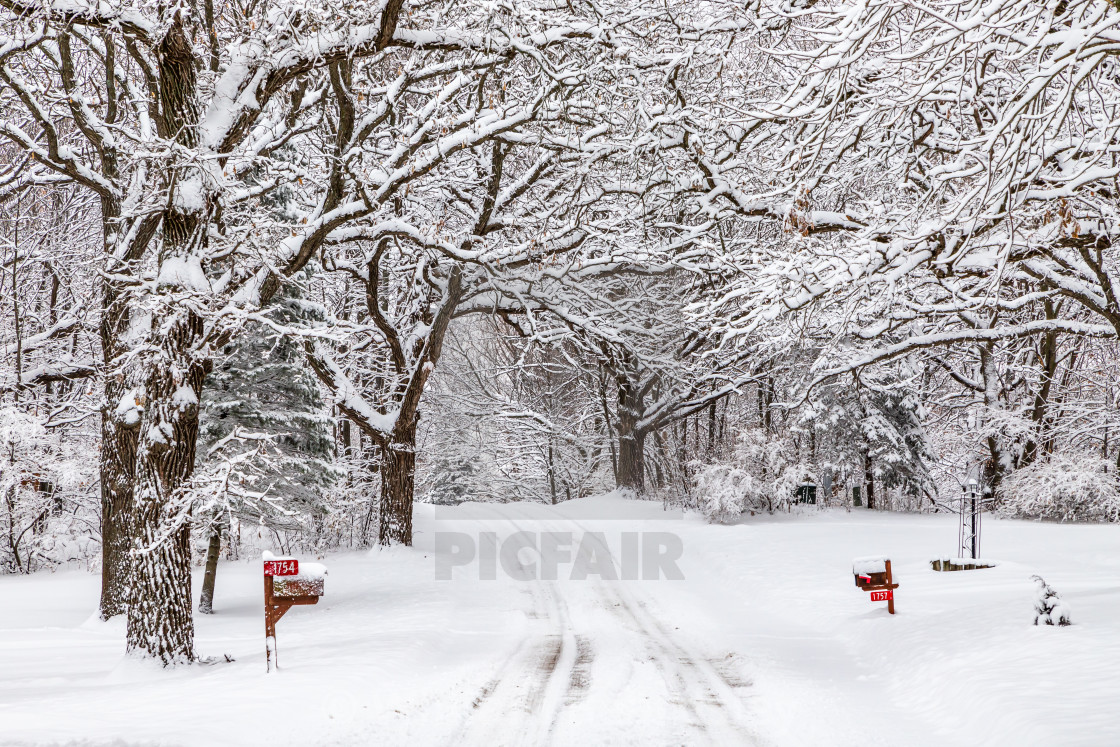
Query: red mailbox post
x=284 y=587
x=873 y=574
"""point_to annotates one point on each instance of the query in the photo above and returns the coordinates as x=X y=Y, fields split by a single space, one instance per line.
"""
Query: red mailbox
x=873 y=574
x=286 y=585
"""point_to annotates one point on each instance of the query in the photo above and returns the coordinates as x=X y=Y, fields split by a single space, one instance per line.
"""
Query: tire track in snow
x=580 y=678
x=546 y=672
x=715 y=710
x=551 y=670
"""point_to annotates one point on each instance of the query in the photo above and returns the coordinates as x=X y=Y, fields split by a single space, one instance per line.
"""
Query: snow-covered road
x=764 y=641
x=609 y=668
x=556 y=685
x=594 y=657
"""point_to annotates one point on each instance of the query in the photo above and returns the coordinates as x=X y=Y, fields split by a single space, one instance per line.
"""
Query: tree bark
x=869 y=480
x=13 y=543
x=118 y=466
x=372 y=455
x=398 y=463
x=1042 y=439
x=159 y=614
x=160 y=624
x=607 y=423
x=712 y=426
x=398 y=482
x=1000 y=460
x=631 y=473
x=118 y=437
x=551 y=472
x=206 y=599
x=632 y=461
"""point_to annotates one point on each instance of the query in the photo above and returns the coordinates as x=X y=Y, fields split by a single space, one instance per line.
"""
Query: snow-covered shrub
x=450 y=480
x=1064 y=487
x=723 y=491
x=45 y=491
x=1049 y=609
x=762 y=475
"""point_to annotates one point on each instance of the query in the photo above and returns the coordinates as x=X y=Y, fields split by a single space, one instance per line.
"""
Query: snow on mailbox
x=873 y=574
x=287 y=582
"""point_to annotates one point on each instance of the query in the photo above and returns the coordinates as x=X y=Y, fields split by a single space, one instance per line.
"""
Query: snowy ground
x=765 y=641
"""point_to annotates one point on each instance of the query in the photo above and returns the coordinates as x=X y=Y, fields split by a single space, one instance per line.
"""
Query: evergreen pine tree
x=1049 y=609
x=451 y=480
x=262 y=386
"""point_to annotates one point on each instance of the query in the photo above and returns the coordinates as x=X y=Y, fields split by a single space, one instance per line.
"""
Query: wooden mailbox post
x=285 y=586
x=873 y=574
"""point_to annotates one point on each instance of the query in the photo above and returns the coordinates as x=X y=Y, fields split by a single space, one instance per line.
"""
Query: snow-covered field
x=766 y=640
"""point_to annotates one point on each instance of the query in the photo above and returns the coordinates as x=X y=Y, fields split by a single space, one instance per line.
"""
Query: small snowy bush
x=1049 y=609
x=760 y=476
x=1065 y=487
x=724 y=491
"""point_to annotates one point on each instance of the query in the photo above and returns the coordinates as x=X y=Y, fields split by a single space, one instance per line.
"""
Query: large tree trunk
x=1000 y=458
x=631 y=472
x=160 y=624
x=118 y=463
x=159 y=614
x=398 y=482
x=632 y=461
x=120 y=428
x=118 y=433
x=398 y=455
x=1042 y=439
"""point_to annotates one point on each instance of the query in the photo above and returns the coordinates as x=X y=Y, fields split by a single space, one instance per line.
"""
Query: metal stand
x=971 y=508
